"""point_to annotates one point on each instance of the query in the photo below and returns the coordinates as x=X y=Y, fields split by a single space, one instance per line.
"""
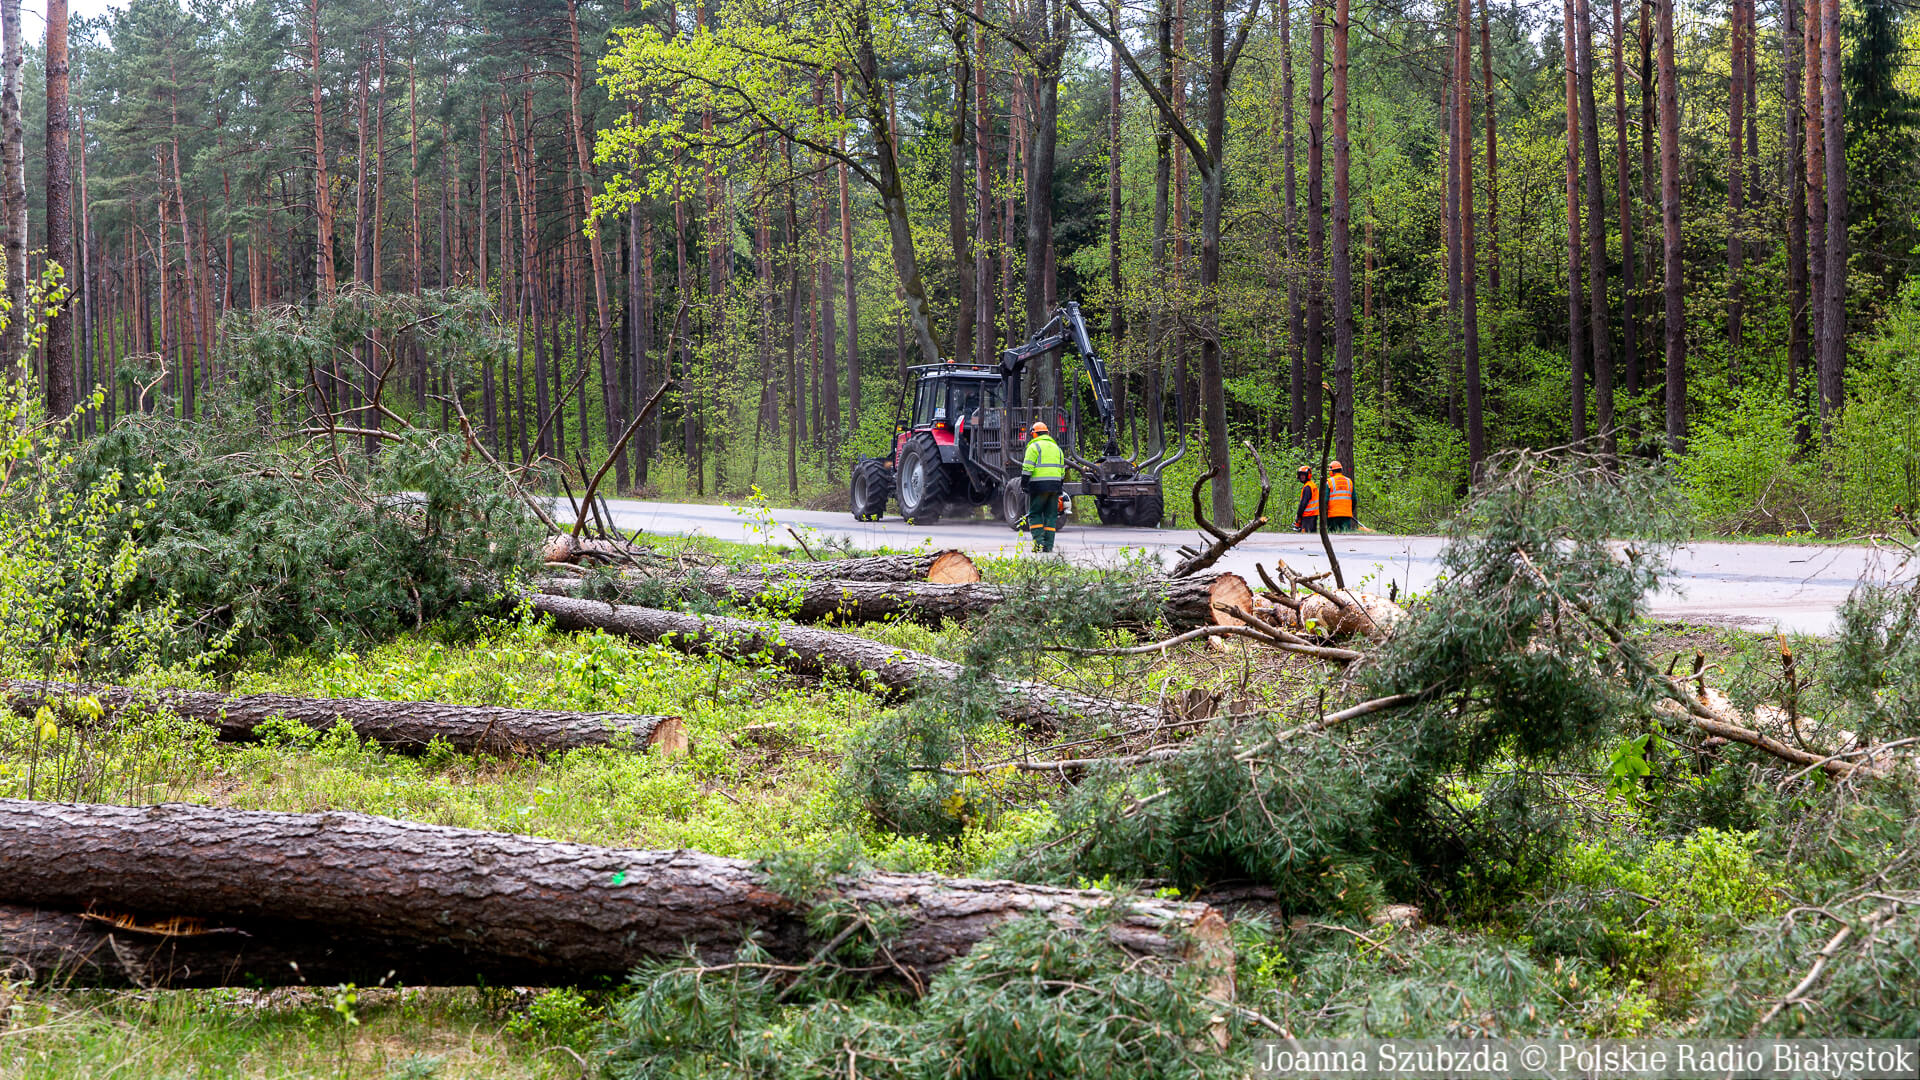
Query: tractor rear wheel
x=872 y=487
x=924 y=483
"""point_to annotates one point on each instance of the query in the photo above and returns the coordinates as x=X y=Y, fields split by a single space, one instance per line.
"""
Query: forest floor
x=765 y=751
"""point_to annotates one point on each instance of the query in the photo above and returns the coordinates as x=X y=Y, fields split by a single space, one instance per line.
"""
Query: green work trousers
x=1043 y=514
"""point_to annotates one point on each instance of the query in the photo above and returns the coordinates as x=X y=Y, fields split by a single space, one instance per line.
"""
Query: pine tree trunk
x=1343 y=248
x=1493 y=160
x=1576 y=294
x=1450 y=111
x=1738 y=44
x=1116 y=313
x=323 y=193
x=1599 y=320
x=1316 y=219
x=850 y=282
x=1469 y=257
x=1793 y=67
x=1157 y=313
x=1629 y=322
x=812 y=651
x=959 y=227
x=411 y=726
x=1833 y=320
x=356 y=893
x=1675 y=283
x=829 y=327
x=984 y=305
x=1296 y=315
x=59 y=340
x=1213 y=384
x=1814 y=117
x=1184 y=602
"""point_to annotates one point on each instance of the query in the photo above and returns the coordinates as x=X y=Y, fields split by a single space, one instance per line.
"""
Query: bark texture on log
x=813 y=651
x=1185 y=602
x=570 y=912
x=948 y=567
x=397 y=725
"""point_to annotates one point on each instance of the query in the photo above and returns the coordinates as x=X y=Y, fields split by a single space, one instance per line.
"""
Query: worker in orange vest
x=1306 y=518
x=1339 y=500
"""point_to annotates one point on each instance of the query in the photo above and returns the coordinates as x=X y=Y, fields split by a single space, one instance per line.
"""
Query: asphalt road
x=1795 y=588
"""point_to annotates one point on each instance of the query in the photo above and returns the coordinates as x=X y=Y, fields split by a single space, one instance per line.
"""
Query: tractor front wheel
x=872 y=487
x=924 y=484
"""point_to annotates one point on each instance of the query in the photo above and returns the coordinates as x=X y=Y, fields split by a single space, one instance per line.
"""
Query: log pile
x=409 y=726
x=185 y=896
x=813 y=651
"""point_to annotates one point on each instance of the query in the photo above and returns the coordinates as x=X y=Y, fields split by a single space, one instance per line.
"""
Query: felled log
x=398 y=725
x=1346 y=613
x=206 y=896
x=810 y=650
x=1185 y=602
x=947 y=567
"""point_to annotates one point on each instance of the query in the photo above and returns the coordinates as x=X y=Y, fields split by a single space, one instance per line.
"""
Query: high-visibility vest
x=1045 y=460
x=1312 y=492
x=1339 y=496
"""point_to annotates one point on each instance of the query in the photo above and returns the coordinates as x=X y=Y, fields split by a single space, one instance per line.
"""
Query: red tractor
x=959 y=441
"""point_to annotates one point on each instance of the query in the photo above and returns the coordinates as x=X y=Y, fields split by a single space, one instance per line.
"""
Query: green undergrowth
x=1535 y=845
x=322 y=1032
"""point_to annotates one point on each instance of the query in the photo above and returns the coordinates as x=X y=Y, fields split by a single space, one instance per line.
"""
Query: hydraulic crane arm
x=1066 y=327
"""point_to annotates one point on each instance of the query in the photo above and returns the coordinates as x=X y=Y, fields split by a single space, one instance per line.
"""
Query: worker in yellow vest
x=1042 y=474
x=1307 y=517
x=1339 y=500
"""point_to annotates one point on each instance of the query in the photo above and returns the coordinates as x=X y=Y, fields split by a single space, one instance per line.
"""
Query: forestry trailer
x=960 y=436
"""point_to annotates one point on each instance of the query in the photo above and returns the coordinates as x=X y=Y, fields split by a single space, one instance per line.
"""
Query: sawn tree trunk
x=398 y=725
x=1186 y=602
x=233 y=897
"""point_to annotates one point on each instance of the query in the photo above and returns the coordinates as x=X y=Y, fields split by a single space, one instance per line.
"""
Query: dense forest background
x=1671 y=228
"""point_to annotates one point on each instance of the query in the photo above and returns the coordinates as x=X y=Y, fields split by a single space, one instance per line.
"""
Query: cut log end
x=953 y=568
x=669 y=737
x=1228 y=590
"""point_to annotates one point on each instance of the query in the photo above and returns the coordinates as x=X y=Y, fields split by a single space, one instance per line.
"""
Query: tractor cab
x=962 y=410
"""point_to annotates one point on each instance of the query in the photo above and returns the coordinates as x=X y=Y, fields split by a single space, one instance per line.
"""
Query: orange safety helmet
x=1037 y=429
x=1304 y=471
x=1333 y=466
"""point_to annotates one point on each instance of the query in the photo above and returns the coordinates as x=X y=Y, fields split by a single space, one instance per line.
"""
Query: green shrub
x=1876 y=445
x=1742 y=472
x=1655 y=912
x=561 y=1015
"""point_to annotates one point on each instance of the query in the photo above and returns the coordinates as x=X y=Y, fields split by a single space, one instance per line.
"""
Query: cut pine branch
x=1223 y=541
x=410 y=726
x=201 y=896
